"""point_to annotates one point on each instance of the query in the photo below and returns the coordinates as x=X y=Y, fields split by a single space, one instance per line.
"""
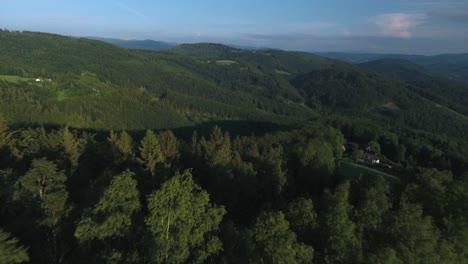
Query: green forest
x=205 y=153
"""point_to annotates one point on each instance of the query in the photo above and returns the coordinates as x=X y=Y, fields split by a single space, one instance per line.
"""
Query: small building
x=371 y=151
x=371 y=158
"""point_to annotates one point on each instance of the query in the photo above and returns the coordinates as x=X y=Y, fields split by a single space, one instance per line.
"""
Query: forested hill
x=146 y=44
x=100 y=86
x=398 y=69
x=205 y=153
x=452 y=66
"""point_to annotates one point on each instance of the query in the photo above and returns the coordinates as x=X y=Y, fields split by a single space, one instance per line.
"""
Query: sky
x=371 y=26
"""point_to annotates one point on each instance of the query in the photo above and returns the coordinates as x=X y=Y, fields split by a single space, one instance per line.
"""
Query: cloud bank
x=398 y=24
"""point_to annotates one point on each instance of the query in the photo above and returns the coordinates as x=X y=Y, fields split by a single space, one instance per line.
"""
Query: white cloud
x=398 y=24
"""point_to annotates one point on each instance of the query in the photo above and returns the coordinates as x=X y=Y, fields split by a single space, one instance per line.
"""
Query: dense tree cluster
x=69 y=197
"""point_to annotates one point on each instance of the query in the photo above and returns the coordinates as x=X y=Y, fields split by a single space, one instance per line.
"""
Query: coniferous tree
x=169 y=148
x=122 y=146
x=150 y=154
x=73 y=147
x=7 y=142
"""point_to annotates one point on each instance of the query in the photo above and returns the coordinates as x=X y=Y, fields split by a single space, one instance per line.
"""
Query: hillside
x=451 y=66
x=100 y=86
x=146 y=44
x=397 y=69
x=190 y=89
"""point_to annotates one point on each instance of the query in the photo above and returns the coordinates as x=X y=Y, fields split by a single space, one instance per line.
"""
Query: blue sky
x=381 y=26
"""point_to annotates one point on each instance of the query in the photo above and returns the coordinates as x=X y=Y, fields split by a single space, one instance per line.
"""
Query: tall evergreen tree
x=169 y=148
x=122 y=146
x=150 y=154
x=73 y=147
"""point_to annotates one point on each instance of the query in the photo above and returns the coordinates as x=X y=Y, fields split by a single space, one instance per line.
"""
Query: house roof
x=368 y=156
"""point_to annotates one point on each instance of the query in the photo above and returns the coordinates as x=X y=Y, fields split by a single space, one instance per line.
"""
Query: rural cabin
x=42 y=80
x=371 y=158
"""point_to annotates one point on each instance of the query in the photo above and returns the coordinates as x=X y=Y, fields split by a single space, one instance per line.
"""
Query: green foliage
x=182 y=222
x=412 y=208
x=339 y=232
x=112 y=216
x=316 y=164
x=10 y=251
x=415 y=236
x=47 y=185
x=150 y=152
x=169 y=148
x=276 y=243
x=217 y=149
x=73 y=146
x=303 y=219
x=122 y=146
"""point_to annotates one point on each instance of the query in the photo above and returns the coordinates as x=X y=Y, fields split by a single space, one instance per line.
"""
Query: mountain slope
x=82 y=68
x=452 y=66
x=397 y=69
x=146 y=44
x=101 y=86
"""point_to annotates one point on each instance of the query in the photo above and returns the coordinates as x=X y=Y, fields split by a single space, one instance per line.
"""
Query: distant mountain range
x=452 y=66
x=146 y=44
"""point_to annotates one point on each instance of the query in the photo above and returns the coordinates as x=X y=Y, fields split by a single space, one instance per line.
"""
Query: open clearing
x=14 y=79
x=352 y=170
x=391 y=106
x=226 y=62
x=282 y=72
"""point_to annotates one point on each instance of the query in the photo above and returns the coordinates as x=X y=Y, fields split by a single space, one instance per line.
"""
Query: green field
x=14 y=79
x=226 y=62
x=352 y=170
x=282 y=72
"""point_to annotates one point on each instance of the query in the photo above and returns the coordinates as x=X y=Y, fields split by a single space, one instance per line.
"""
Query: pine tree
x=150 y=152
x=122 y=146
x=169 y=148
x=73 y=147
